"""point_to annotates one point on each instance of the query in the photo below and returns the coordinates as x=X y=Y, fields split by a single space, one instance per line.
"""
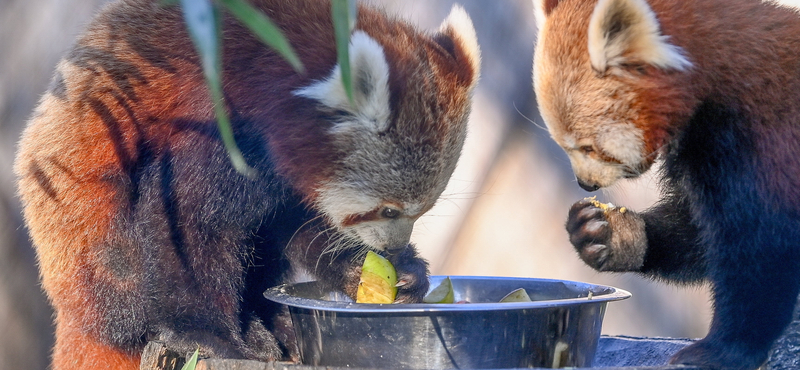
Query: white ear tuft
x=460 y=24
x=621 y=31
x=539 y=13
x=542 y=10
x=370 y=73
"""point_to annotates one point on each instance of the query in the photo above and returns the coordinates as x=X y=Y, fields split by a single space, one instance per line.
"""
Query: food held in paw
x=378 y=280
x=606 y=207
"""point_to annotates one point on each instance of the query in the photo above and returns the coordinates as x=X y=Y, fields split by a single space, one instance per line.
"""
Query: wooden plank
x=156 y=356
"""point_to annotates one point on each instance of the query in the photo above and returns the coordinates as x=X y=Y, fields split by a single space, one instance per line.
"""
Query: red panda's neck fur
x=741 y=50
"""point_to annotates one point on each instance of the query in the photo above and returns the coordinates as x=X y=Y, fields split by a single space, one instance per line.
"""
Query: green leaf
x=192 y=362
x=224 y=126
x=343 y=12
x=203 y=21
x=264 y=29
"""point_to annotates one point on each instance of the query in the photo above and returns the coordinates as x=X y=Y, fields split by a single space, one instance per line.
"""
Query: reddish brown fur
x=727 y=128
x=77 y=350
x=666 y=99
x=132 y=93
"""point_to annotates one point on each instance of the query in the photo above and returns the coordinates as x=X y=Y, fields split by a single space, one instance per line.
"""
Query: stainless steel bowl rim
x=278 y=294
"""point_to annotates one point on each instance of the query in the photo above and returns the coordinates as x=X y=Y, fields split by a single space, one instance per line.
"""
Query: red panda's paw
x=607 y=238
x=412 y=275
x=712 y=354
x=260 y=343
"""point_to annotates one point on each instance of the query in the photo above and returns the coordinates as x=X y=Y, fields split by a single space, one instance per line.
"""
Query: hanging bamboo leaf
x=191 y=364
x=203 y=22
x=264 y=29
x=343 y=12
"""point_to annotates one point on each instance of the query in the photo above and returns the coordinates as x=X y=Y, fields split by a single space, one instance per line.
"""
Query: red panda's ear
x=370 y=75
x=457 y=36
x=623 y=32
x=542 y=10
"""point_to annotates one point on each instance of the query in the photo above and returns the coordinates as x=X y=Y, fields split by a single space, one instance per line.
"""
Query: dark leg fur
x=197 y=268
x=752 y=253
x=661 y=242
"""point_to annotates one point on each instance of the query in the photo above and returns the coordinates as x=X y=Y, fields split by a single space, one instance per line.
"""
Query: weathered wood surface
x=156 y=356
x=655 y=351
x=613 y=353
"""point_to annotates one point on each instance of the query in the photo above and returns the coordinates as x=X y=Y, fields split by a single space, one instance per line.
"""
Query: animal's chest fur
x=715 y=163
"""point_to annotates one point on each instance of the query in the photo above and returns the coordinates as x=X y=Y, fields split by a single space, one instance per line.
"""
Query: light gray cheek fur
x=381 y=166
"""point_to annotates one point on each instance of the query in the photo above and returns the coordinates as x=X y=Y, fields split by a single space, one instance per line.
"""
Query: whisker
x=529 y=119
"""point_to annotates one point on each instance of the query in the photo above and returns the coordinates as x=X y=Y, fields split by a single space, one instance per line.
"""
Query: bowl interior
x=481 y=293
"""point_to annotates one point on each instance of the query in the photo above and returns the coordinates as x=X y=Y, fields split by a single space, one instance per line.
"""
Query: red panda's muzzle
x=586 y=186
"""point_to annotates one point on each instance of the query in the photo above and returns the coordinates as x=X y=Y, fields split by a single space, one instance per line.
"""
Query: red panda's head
x=400 y=138
x=611 y=87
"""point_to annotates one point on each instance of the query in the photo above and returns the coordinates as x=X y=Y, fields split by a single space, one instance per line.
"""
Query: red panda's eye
x=390 y=213
x=587 y=149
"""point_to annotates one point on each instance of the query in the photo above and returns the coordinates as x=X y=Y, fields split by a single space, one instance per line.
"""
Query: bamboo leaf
x=343 y=12
x=203 y=22
x=264 y=29
x=224 y=126
x=191 y=364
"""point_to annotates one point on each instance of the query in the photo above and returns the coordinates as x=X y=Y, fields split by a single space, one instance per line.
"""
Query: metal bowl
x=559 y=328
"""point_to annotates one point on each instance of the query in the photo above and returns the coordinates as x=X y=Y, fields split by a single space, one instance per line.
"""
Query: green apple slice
x=518 y=295
x=443 y=293
x=378 y=283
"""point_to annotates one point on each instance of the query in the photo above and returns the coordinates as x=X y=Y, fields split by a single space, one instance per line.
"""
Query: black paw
x=207 y=344
x=607 y=238
x=412 y=275
x=260 y=343
x=590 y=233
x=720 y=356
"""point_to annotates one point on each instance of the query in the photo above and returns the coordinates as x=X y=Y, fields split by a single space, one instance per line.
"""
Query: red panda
x=709 y=87
x=144 y=230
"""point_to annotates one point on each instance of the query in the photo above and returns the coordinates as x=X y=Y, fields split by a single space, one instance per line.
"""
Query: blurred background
x=502 y=214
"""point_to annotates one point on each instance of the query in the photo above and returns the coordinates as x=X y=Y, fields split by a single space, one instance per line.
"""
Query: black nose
x=587 y=187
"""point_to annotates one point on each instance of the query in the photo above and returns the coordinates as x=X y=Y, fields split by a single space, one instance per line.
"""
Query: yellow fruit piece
x=443 y=293
x=374 y=289
x=518 y=295
x=606 y=207
x=378 y=280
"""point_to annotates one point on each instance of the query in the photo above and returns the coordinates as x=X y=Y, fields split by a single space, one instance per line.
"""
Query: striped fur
x=145 y=231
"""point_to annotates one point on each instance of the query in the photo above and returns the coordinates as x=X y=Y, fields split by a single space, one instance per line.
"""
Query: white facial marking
x=624 y=142
x=339 y=202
